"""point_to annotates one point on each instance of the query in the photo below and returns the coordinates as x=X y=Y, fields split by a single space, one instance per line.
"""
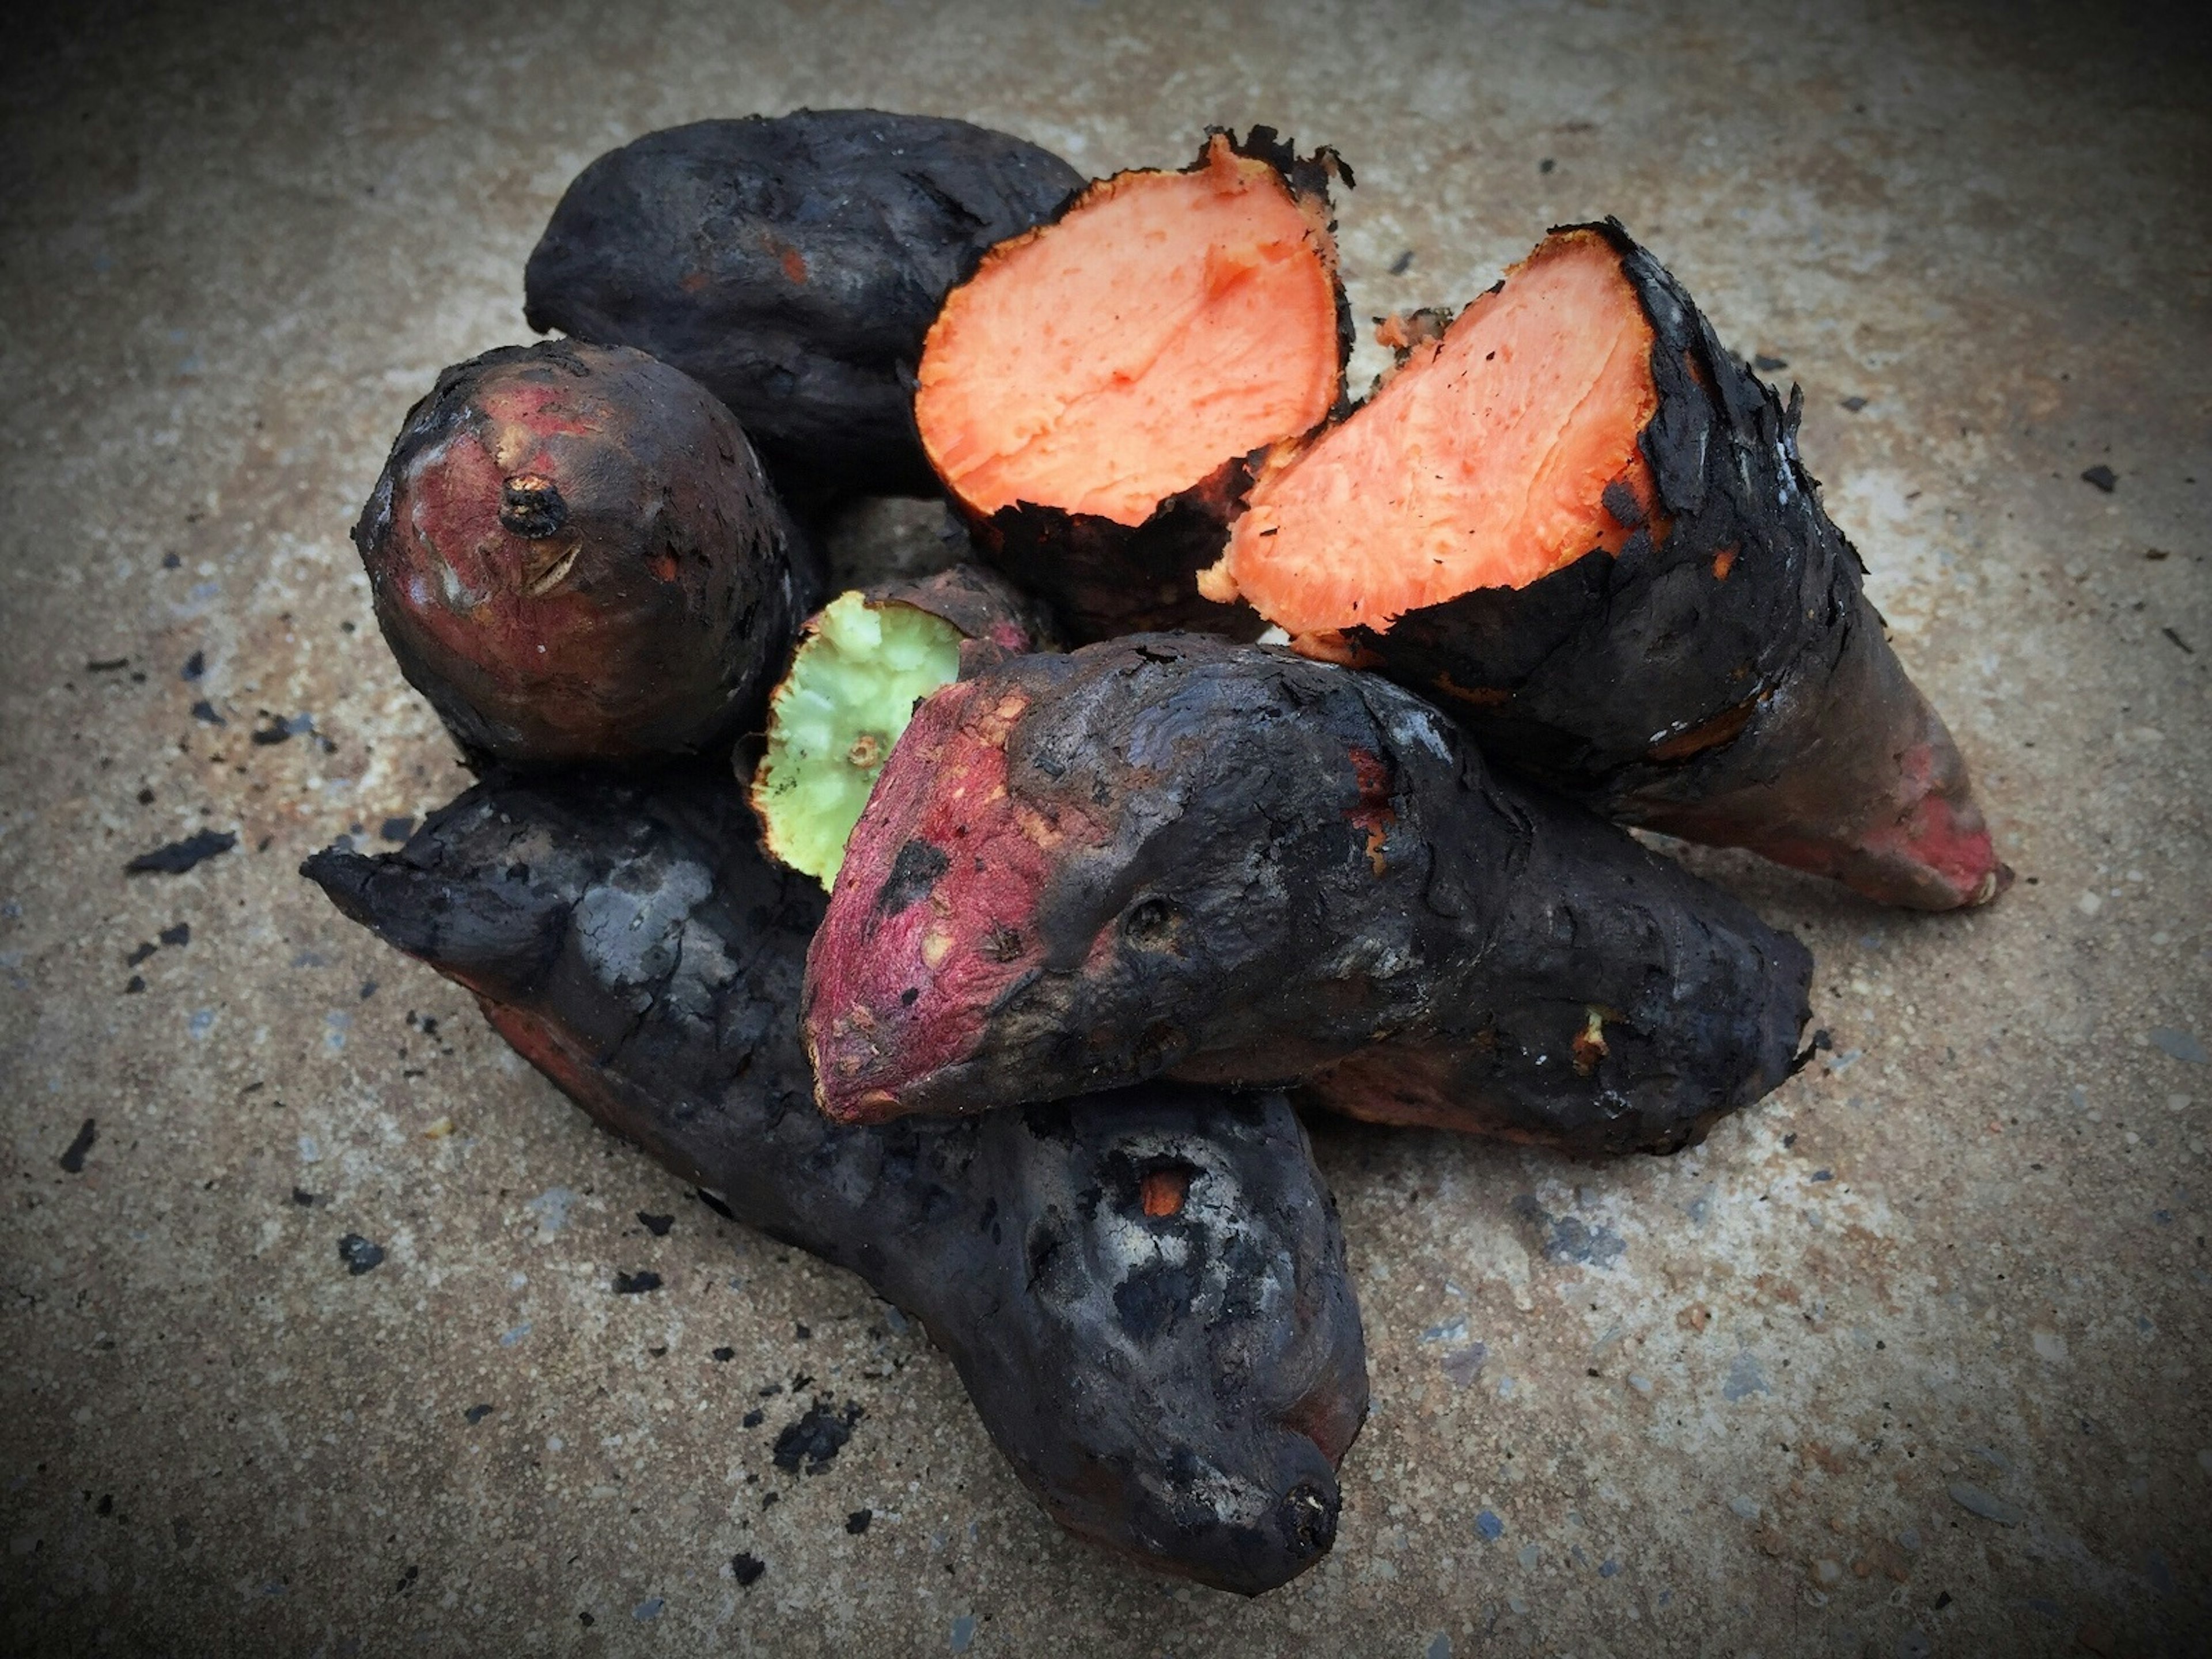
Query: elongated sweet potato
x=1582 y=527
x=864 y=662
x=1093 y=396
x=576 y=556
x=1174 y=855
x=791 y=264
x=1145 y=1293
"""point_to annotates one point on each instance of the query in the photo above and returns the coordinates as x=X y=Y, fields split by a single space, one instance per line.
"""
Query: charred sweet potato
x=792 y=265
x=1580 y=525
x=1094 y=395
x=1171 y=855
x=863 y=664
x=1145 y=1293
x=576 y=556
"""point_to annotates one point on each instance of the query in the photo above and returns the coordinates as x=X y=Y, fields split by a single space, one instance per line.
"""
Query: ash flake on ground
x=746 y=1569
x=1569 y=1237
x=1488 y=1526
x=636 y=1284
x=963 y=1632
x=551 y=1208
x=648 y=1610
x=1744 y=1378
x=2179 y=1045
x=1990 y=1507
x=1463 y=1365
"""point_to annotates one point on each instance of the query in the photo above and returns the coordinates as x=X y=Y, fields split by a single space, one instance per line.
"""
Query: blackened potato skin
x=1725 y=677
x=1176 y=1387
x=1174 y=855
x=792 y=264
x=575 y=556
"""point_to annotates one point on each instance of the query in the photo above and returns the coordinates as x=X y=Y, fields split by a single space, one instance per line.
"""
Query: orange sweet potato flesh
x=1482 y=463
x=1577 y=522
x=1095 y=399
x=1169 y=322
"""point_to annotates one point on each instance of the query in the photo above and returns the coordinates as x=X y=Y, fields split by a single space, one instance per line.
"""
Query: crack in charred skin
x=1372 y=813
x=1267 y=870
x=1175 y=1240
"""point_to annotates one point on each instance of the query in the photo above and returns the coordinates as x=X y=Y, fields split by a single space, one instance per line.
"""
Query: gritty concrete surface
x=1907 y=1360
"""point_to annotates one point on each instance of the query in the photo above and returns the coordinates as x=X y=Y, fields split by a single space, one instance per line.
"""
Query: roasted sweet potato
x=1171 y=855
x=863 y=663
x=1093 y=396
x=1145 y=1293
x=576 y=556
x=791 y=264
x=1582 y=527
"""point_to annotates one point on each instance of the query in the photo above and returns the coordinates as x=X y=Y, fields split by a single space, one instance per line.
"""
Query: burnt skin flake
x=1171 y=855
x=1145 y=1292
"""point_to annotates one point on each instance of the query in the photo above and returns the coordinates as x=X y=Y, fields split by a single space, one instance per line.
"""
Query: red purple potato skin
x=1173 y=855
x=792 y=264
x=576 y=557
x=1145 y=1292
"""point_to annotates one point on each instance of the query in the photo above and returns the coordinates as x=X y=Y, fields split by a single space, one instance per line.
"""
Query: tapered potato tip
x=1145 y=1293
x=1575 y=522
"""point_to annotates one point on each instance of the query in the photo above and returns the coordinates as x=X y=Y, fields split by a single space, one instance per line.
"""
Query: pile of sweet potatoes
x=1097 y=921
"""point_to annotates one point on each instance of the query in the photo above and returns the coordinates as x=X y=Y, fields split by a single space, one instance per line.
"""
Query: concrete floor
x=1908 y=1360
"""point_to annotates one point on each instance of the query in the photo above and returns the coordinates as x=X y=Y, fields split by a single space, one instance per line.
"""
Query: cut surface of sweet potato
x=1492 y=458
x=1168 y=323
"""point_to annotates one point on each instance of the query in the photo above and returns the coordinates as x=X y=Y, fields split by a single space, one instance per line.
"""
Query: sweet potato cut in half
x=1093 y=397
x=792 y=264
x=863 y=665
x=1174 y=855
x=1145 y=1294
x=1580 y=525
